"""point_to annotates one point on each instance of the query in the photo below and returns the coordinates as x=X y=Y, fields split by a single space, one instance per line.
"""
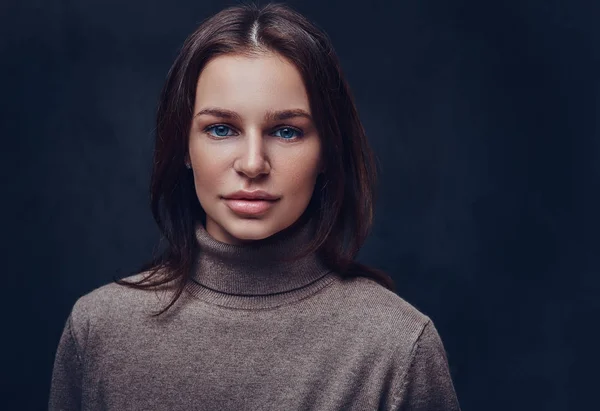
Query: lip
x=251 y=195
x=249 y=207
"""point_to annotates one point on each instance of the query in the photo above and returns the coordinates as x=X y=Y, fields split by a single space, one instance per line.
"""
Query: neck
x=232 y=272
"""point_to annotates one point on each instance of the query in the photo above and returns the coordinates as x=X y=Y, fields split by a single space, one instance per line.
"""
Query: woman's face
x=249 y=133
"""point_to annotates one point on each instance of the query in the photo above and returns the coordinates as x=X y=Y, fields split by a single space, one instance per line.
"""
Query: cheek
x=208 y=178
x=299 y=176
x=299 y=170
x=208 y=174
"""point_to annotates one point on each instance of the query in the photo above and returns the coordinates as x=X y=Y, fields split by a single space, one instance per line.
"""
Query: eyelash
x=297 y=130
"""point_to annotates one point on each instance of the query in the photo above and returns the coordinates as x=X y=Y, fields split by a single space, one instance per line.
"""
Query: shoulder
x=112 y=306
x=377 y=302
x=111 y=298
x=415 y=351
x=382 y=312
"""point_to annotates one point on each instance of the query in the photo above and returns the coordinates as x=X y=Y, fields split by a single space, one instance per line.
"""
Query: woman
x=263 y=188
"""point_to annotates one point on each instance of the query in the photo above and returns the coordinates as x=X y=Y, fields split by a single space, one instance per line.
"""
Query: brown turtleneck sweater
x=251 y=334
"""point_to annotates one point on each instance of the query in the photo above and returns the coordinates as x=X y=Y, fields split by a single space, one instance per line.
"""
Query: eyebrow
x=271 y=115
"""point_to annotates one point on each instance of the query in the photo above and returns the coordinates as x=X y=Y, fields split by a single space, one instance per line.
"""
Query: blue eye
x=289 y=133
x=219 y=128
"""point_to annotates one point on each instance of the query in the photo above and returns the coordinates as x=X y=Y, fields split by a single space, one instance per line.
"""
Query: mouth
x=249 y=207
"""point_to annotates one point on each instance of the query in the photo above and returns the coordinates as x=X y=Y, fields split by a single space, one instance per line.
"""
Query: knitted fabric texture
x=251 y=333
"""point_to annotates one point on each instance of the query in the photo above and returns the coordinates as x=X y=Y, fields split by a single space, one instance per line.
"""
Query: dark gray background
x=484 y=119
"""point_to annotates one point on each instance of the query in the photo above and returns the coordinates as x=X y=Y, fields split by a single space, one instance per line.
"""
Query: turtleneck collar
x=250 y=275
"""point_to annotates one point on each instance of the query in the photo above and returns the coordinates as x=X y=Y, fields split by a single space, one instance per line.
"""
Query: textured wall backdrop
x=484 y=119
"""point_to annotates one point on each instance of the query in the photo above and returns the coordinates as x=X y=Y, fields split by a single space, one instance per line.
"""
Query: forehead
x=266 y=81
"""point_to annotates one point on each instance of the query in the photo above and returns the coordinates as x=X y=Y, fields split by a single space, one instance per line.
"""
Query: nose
x=252 y=162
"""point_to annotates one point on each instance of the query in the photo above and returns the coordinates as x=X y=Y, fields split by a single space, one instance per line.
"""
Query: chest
x=236 y=366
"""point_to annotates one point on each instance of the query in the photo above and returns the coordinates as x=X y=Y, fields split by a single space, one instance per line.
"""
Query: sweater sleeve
x=65 y=389
x=427 y=383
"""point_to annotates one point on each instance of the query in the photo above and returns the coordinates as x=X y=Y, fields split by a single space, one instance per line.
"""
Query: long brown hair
x=344 y=197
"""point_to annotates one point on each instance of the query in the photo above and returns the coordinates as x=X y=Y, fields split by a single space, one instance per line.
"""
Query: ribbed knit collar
x=250 y=275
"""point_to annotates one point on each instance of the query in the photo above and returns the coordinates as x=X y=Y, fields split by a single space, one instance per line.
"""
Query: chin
x=231 y=228
x=250 y=229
